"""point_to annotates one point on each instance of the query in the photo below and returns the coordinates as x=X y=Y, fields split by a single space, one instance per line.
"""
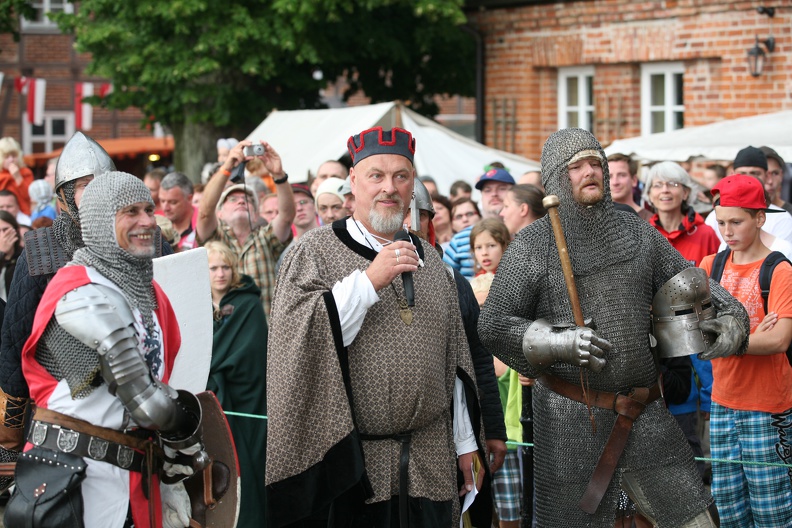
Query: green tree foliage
x=10 y=12
x=221 y=66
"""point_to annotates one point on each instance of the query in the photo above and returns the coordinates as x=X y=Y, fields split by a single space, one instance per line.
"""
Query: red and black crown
x=377 y=141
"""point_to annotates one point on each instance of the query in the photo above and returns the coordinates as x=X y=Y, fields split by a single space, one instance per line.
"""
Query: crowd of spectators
x=248 y=227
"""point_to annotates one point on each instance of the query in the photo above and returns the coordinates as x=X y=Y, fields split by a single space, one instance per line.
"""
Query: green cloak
x=238 y=377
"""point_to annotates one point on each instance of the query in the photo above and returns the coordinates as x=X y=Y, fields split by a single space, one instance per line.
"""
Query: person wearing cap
x=494 y=184
x=588 y=446
x=372 y=379
x=776 y=172
x=751 y=161
x=349 y=198
x=751 y=401
x=330 y=201
x=230 y=216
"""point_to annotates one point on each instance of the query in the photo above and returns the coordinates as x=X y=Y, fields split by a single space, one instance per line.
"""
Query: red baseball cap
x=739 y=190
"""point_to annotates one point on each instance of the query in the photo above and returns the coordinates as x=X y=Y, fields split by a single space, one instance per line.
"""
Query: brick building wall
x=50 y=55
x=526 y=45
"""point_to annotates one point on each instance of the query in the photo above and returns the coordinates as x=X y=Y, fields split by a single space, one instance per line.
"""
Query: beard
x=387 y=223
x=588 y=197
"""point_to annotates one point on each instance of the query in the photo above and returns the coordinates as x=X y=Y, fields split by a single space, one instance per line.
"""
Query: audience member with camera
x=230 y=216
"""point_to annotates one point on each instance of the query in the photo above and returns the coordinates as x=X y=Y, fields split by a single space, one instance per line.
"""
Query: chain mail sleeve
x=511 y=304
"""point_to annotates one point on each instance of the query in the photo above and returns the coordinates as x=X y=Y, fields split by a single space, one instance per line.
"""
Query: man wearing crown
x=376 y=389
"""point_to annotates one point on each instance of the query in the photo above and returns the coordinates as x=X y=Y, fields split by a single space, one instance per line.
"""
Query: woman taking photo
x=238 y=372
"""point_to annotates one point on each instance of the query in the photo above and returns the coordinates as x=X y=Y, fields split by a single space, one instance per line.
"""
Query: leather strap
x=628 y=405
x=81 y=426
x=404 y=465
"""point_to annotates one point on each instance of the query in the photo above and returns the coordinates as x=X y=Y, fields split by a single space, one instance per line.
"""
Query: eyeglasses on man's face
x=461 y=216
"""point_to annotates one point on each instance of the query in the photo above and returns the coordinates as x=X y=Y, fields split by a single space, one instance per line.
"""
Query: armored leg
x=630 y=485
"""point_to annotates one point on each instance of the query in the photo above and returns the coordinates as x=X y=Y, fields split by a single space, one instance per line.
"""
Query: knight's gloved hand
x=180 y=462
x=176 y=508
x=545 y=344
x=731 y=335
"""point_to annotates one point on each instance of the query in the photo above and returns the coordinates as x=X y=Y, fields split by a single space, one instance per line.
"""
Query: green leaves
x=228 y=63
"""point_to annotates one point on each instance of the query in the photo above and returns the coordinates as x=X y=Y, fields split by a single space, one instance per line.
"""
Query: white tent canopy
x=307 y=138
x=716 y=141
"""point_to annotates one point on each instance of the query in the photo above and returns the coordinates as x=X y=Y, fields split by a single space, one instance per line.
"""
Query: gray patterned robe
x=402 y=379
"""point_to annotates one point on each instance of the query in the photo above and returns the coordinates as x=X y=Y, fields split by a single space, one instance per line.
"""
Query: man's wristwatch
x=281 y=180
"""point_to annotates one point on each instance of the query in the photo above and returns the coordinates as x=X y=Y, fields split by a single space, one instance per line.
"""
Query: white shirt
x=354 y=295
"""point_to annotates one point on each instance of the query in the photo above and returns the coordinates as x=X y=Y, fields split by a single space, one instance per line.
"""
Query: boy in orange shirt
x=751 y=418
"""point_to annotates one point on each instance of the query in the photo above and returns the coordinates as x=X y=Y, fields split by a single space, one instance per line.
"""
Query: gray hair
x=670 y=171
x=177 y=179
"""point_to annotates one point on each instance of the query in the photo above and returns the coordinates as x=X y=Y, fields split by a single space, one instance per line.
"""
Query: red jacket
x=693 y=239
x=7 y=183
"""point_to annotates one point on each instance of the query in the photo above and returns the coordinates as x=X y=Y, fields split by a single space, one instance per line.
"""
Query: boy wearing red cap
x=751 y=418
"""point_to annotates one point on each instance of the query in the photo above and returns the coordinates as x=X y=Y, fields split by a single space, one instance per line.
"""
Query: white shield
x=184 y=277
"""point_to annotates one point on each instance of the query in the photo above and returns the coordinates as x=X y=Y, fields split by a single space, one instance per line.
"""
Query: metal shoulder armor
x=101 y=318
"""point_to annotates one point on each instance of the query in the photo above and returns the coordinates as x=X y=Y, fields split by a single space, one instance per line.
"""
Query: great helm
x=677 y=309
x=82 y=156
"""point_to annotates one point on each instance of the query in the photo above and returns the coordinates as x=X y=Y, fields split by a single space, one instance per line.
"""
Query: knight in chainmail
x=101 y=350
x=46 y=251
x=618 y=262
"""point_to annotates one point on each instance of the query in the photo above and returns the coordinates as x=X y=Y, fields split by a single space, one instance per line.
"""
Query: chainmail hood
x=102 y=199
x=595 y=234
x=66 y=226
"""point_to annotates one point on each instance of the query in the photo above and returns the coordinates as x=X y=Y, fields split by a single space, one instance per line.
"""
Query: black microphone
x=407 y=277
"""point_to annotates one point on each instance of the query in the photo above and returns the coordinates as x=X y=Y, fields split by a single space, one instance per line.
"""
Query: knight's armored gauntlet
x=731 y=335
x=545 y=344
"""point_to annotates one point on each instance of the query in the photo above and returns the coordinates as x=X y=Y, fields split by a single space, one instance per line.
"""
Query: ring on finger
x=397 y=259
x=398 y=253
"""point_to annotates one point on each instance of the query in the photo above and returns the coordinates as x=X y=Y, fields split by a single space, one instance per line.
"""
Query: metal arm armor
x=101 y=318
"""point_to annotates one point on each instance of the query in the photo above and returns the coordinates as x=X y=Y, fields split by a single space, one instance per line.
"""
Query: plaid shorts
x=748 y=495
x=507 y=487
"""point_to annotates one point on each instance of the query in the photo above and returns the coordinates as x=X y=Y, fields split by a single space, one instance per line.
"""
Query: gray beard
x=385 y=224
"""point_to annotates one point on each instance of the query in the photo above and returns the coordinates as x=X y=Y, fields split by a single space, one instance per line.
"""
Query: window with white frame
x=662 y=97
x=43 y=8
x=53 y=133
x=576 y=97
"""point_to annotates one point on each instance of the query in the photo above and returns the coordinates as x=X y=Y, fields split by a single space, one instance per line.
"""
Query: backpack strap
x=718 y=264
x=766 y=273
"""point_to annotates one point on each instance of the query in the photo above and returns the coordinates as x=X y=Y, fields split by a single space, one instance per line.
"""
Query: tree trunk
x=195 y=145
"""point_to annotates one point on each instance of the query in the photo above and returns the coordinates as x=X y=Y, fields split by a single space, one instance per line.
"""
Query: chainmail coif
x=102 y=199
x=595 y=235
x=66 y=226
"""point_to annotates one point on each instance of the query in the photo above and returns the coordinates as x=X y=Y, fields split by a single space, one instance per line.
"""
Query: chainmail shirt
x=619 y=262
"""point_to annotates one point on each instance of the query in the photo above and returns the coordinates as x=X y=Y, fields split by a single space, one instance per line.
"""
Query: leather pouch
x=47 y=491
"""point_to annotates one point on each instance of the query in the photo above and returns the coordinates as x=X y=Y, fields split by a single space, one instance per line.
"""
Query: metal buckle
x=97 y=448
x=39 y=433
x=124 y=457
x=67 y=440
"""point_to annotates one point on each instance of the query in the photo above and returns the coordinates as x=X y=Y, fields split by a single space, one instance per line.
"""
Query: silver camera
x=254 y=150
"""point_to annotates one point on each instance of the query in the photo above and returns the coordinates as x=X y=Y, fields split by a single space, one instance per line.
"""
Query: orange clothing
x=748 y=382
x=270 y=183
x=7 y=183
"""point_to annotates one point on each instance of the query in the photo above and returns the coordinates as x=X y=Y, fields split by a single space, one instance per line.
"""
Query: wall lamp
x=756 y=55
